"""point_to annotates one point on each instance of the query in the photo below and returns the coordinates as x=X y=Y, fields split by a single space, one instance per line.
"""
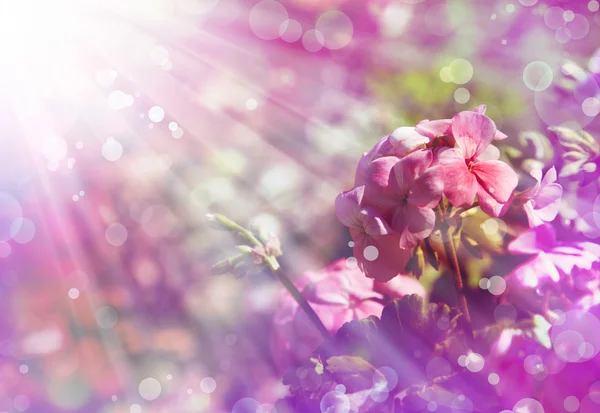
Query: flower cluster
x=402 y=181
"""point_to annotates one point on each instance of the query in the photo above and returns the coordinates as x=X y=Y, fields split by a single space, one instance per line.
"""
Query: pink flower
x=398 y=188
x=338 y=294
x=542 y=201
x=552 y=260
x=375 y=244
x=466 y=173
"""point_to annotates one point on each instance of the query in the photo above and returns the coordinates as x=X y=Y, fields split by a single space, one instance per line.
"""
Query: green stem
x=304 y=305
x=456 y=274
x=273 y=264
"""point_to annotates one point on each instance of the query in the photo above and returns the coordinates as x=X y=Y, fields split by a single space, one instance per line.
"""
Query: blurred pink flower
x=338 y=294
x=542 y=201
x=466 y=174
x=551 y=259
x=375 y=245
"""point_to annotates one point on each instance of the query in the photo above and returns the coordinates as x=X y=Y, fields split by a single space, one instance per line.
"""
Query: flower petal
x=532 y=216
x=548 y=195
x=414 y=224
x=373 y=224
x=347 y=207
x=434 y=128
x=381 y=148
x=549 y=177
x=541 y=238
x=389 y=260
x=497 y=178
x=410 y=167
x=489 y=205
x=400 y=286
x=406 y=139
x=460 y=185
x=427 y=189
x=480 y=109
x=381 y=189
x=500 y=136
x=491 y=153
x=535 y=271
x=473 y=132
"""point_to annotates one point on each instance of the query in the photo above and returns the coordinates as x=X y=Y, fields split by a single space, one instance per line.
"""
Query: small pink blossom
x=466 y=173
x=375 y=244
x=542 y=201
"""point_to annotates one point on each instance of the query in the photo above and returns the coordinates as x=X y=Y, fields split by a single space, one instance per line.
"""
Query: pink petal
x=381 y=189
x=549 y=177
x=491 y=153
x=532 y=217
x=414 y=224
x=548 y=195
x=500 y=136
x=347 y=207
x=473 y=132
x=389 y=261
x=460 y=185
x=367 y=308
x=541 y=238
x=381 y=148
x=400 y=286
x=410 y=167
x=489 y=205
x=497 y=178
x=428 y=188
x=434 y=128
x=549 y=212
x=406 y=139
x=372 y=223
x=536 y=270
x=566 y=258
x=480 y=109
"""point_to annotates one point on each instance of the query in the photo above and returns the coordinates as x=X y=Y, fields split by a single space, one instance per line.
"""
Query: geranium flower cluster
x=400 y=183
x=381 y=344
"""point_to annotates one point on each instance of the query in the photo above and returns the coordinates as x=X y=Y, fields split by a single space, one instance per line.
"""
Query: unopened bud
x=217 y=221
x=259 y=231
x=273 y=246
x=223 y=267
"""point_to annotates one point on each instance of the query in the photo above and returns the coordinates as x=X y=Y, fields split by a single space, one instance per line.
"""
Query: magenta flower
x=466 y=173
x=375 y=244
x=338 y=294
x=542 y=201
x=552 y=260
x=399 y=188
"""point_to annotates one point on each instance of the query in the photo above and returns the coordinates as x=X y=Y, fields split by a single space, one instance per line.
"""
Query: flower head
x=467 y=174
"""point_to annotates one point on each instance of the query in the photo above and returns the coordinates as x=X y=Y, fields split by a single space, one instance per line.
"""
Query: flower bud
x=217 y=221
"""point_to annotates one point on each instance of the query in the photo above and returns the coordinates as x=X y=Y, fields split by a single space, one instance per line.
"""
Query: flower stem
x=221 y=221
x=304 y=305
x=456 y=274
